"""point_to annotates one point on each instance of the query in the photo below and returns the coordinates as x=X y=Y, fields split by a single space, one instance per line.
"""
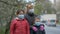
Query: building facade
x=57 y=3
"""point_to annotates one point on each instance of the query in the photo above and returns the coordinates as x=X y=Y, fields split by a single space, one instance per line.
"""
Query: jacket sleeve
x=12 y=27
x=28 y=28
x=31 y=26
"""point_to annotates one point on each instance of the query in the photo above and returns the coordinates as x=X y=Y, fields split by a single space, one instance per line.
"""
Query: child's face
x=21 y=12
x=37 y=20
x=21 y=15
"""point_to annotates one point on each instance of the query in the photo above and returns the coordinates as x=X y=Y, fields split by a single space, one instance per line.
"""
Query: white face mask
x=21 y=16
x=31 y=11
x=37 y=23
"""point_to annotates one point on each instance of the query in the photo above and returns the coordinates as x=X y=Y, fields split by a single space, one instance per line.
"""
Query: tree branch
x=7 y=3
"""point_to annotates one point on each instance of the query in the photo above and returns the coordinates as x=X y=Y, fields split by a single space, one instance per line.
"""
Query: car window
x=43 y=21
x=52 y=20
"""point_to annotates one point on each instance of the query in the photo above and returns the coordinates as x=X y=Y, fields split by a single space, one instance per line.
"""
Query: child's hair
x=18 y=11
x=37 y=17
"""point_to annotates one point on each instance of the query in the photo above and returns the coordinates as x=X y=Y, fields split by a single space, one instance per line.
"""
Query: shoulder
x=14 y=20
x=26 y=15
x=25 y=20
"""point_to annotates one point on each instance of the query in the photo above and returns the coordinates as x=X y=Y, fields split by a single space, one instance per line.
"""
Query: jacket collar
x=19 y=19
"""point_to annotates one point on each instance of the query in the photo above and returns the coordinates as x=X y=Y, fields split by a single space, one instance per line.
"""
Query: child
x=19 y=25
x=38 y=28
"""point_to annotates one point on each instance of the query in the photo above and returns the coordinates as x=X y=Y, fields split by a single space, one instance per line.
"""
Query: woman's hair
x=18 y=11
x=29 y=6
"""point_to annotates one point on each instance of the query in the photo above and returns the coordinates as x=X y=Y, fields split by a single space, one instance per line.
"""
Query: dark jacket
x=30 y=19
x=19 y=27
x=39 y=31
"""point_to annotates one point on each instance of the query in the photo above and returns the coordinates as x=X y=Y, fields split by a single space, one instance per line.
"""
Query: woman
x=30 y=16
x=19 y=25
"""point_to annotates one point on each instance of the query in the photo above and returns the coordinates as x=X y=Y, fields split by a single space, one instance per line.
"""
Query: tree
x=7 y=11
x=42 y=6
x=38 y=8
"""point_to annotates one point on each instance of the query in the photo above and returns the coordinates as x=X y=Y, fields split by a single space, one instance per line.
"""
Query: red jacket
x=19 y=27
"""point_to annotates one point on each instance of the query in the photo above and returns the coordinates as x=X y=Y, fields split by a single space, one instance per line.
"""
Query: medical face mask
x=37 y=23
x=21 y=16
x=31 y=11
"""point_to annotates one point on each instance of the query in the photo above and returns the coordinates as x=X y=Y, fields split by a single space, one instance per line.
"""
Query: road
x=52 y=30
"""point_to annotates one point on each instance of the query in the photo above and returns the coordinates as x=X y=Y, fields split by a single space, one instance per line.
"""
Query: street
x=52 y=30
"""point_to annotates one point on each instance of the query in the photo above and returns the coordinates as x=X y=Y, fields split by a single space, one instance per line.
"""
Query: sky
x=29 y=0
x=32 y=0
x=52 y=1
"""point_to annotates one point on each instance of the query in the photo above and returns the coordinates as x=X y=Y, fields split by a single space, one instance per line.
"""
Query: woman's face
x=29 y=7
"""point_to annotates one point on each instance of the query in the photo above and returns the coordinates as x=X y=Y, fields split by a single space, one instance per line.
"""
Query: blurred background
x=44 y=8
